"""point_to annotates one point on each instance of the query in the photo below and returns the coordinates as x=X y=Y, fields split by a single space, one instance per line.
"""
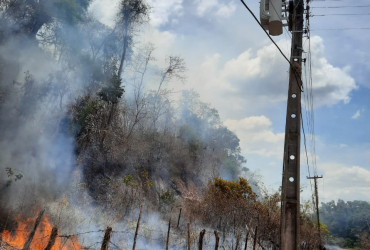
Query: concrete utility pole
x=290 y=194
x=317 y=205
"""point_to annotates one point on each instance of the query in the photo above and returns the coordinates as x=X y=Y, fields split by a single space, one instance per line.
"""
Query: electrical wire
x=299 y=81
x=309 y=109
x=329 y=0
x=343 y=14
x=342 y=29
x=272 y=40
x=339 y=7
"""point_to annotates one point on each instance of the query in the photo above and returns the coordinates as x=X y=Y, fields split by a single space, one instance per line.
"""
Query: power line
x=330 y=0
x=277 y=46
x=309 y=107
x=344 y=14
x=338 y=7
x=305 y=146
x=342 y=29
x=272 y=40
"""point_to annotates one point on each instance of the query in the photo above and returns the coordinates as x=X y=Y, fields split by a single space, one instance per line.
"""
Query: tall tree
x=131 y=13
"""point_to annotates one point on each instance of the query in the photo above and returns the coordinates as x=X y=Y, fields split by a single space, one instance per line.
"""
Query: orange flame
x=41 y=237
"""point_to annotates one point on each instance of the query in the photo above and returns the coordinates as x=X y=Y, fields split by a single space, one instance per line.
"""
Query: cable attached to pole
x=299 y=80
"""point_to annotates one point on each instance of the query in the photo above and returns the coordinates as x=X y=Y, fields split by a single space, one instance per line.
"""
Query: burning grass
x=17 y=239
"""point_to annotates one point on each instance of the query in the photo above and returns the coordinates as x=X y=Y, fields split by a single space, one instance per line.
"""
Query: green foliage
x=166 y=197
x=89 y=109
x=144 y=181
x=324 y=229
x=128 y=180
x=147 y=182
x=12 y=176
x=347 y=221
x=84 y=112
x=113 y=91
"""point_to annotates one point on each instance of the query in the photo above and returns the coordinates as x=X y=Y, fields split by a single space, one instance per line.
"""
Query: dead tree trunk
x=137 y=227
x=105 y=243
x=188 y=236
x=168 y=234
x=246 y=241
x=201 y=236
x=53 y=236
x=30 y=237
x=217 y=239
x=178 y=220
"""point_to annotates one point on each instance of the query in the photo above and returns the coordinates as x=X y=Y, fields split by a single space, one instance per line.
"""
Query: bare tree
x=174 y=69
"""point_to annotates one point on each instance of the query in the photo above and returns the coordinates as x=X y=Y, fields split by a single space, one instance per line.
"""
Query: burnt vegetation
x=85 y=112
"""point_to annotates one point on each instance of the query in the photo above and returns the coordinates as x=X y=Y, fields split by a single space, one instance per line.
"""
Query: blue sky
x=235 y=68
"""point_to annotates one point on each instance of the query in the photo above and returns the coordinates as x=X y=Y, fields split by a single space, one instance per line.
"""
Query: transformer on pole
x=271 y=16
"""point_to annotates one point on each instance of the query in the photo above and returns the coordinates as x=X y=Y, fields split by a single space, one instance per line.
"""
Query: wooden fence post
x=137 y=227
x=53 y=235
x=105 y=243
x=217 y=240
x=178 y=220
x=27 y=245
x=201 y=236
x=168 y=234
x=188 y=236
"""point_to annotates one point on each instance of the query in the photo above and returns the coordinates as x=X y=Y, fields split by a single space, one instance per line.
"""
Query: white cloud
x=259 y=79
x=163 y=41
x=356 y=115
x=163 y=10
x=330 y=84
x=345 y=182
x=205 y=5
x=257 y=137
x=215 y=7
x=238 y=84
x=226 y=10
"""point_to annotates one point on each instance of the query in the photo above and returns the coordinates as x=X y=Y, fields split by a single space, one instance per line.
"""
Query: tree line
x=348 y=223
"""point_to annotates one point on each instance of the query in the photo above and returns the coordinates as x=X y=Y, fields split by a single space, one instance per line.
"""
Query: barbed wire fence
x=147 y=238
